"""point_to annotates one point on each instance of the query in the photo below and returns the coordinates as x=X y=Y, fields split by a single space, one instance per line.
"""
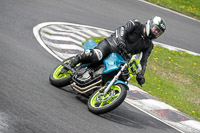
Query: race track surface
x=29 y=104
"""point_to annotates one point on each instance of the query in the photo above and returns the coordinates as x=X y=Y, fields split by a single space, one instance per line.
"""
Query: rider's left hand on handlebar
x=140 y=79
x=122 y=46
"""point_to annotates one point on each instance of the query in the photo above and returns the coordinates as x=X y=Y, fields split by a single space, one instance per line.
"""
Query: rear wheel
x=60 y=76
x=99 y=103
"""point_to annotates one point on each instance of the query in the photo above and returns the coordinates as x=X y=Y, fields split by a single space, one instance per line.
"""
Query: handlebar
x=125 y=54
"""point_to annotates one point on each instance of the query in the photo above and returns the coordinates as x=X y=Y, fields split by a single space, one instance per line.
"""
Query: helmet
x=155 y=27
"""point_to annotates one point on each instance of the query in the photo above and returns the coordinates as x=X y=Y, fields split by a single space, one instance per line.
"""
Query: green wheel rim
x=58 y=75
x=99 y=101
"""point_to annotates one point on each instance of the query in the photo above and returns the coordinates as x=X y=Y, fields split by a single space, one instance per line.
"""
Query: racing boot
x=74 y=61
x=88 y=56
x=70 y=65
x=78 y=59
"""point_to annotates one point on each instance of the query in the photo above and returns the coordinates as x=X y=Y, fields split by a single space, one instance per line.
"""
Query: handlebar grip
x=126 y=55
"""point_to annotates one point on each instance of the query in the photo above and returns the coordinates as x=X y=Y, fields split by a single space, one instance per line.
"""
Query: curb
x=161 y=111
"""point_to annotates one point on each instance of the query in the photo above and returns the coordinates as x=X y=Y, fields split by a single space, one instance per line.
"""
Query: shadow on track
x=125 y=115
x=129 y=116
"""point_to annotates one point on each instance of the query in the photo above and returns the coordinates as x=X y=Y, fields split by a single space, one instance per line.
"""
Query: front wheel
x=59 y=78
x=99 y=103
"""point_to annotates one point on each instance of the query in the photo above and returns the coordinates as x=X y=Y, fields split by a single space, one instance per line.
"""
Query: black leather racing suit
x=129 y=37
x=132 y=35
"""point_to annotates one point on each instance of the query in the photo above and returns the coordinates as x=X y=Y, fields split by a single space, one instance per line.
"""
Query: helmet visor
x=156 y=31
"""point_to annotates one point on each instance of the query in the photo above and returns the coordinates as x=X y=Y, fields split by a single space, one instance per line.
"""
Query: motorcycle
x=105 y=83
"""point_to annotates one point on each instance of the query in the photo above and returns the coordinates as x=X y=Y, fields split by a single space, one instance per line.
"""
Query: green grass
x=96 y=39
x=174 y=78
x=187 y=7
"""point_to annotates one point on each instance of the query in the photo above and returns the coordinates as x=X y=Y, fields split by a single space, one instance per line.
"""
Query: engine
x=83 y=75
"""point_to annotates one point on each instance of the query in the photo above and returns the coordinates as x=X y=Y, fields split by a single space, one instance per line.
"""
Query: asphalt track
x=29 y=104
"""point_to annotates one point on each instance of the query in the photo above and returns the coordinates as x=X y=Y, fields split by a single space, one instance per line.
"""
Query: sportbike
x=105 y=83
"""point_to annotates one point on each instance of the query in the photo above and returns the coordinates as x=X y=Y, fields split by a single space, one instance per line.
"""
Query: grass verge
x=174 y=78
x=187 y=7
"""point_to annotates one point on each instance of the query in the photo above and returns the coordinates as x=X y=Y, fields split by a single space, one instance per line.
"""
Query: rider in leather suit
x=132 y=38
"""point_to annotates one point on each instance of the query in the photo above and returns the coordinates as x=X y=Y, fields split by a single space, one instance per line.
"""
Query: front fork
x=115 y=79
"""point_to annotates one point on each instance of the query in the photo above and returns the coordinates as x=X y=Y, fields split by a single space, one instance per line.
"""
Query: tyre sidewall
x=60 y=82
x=112 y=105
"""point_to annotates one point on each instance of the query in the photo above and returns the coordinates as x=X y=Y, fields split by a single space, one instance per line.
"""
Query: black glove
x=140 y=79
x=121 y=45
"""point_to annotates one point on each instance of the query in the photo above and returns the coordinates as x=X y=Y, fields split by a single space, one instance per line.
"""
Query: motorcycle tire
x=59 y=79
x=98 y=104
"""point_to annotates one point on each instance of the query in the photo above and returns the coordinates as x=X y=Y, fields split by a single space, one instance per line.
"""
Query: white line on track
x=103 y=33
x=78 y=32
x=169 y=10
x=36 y=30
x=175 y=48
x=152 y=104
x=61 y=38
x=63 y=46
x=50 y=31
x=193 y=124
x=85 y=30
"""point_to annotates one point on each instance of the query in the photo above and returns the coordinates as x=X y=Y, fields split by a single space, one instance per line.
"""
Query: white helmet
x=155 y=27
